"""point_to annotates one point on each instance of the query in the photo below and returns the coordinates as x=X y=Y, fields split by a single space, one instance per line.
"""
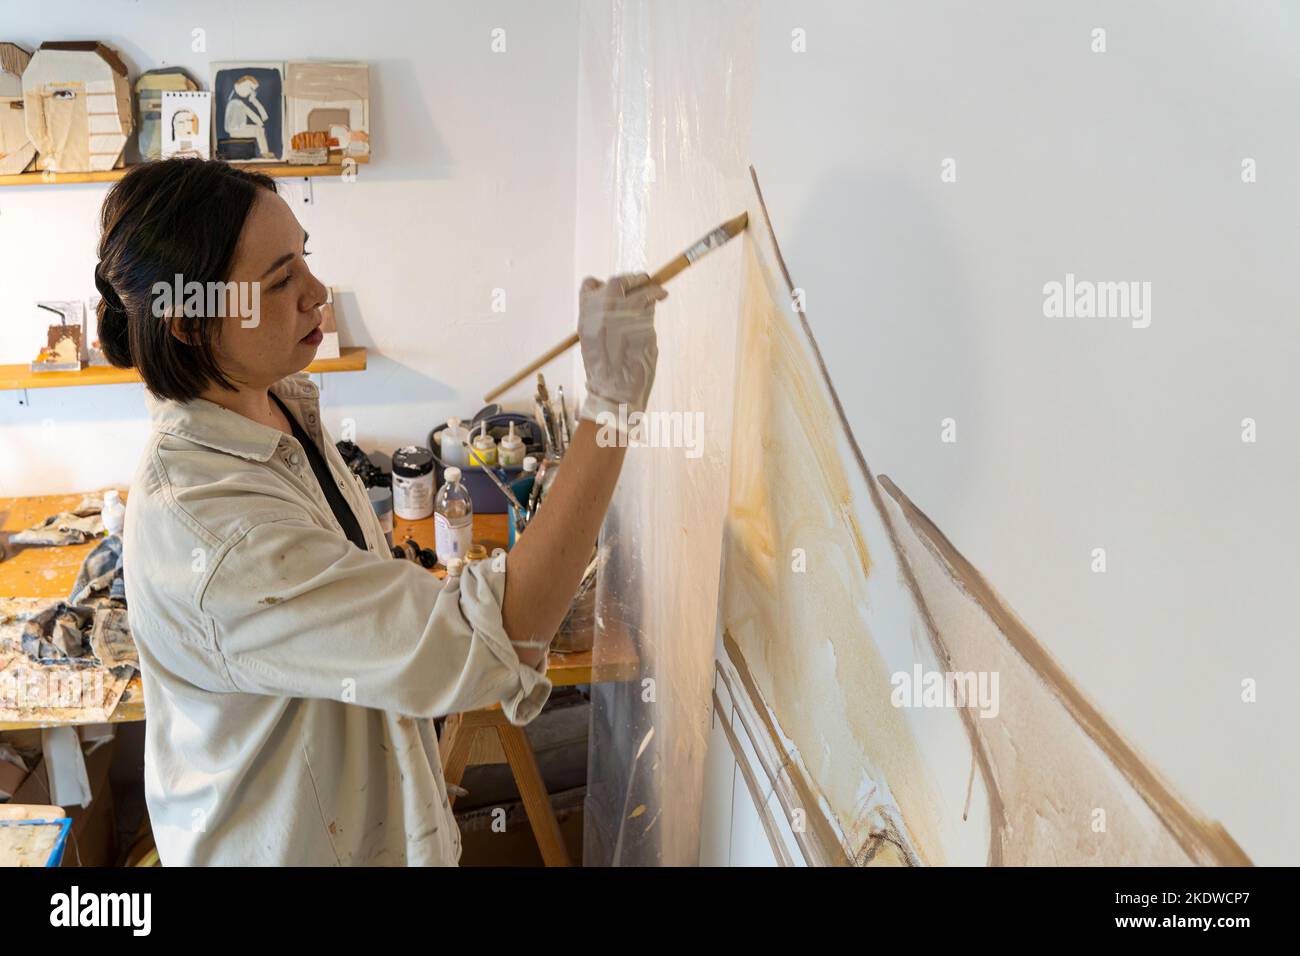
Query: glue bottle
x=484 y=452
x=510 y=453
x=453 y=518
x=453 y=440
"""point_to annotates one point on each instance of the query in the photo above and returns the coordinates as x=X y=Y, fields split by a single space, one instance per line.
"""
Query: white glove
x=619 y=348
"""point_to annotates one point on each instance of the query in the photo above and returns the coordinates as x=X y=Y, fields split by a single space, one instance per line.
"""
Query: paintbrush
x=718 y=237
x=564 y=416
x=535 y=498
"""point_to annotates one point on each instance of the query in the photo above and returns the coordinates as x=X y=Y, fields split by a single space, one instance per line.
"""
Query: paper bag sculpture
x=62 y=350
x=16 y=148
x=149 y=89
x=327 y=111
x=94 y=349
x=78 y=106
x=248 y=111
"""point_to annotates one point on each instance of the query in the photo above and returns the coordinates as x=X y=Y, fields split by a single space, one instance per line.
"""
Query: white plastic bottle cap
x=530 y=463
x=454 y=566
x=112 y=496
x=451 y=475
x=453 y=423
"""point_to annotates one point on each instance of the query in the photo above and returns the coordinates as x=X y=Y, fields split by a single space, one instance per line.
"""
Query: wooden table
x=49 y=572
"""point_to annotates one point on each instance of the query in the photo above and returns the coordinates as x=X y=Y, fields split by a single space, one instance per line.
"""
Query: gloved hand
x=619 y=348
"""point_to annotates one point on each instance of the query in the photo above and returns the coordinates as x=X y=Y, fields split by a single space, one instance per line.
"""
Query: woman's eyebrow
x=277 y=263
x=284 y=258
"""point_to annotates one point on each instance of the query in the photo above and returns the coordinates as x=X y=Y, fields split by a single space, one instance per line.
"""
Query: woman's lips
x=313 y=337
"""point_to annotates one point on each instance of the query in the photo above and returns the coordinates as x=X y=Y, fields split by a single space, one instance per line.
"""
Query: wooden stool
x=461 y=738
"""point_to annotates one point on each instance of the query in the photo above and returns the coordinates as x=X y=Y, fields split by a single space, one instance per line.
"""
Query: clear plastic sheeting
x=663 y=138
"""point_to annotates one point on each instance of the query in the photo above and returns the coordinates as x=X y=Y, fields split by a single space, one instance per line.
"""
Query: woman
x=291 y=666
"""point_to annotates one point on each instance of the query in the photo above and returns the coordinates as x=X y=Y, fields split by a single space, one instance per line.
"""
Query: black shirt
x=342 y=513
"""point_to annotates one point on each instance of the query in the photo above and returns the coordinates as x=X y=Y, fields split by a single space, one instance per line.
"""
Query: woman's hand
x=619 y=348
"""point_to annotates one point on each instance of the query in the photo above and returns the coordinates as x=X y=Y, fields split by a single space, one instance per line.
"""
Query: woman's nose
x=316 y=294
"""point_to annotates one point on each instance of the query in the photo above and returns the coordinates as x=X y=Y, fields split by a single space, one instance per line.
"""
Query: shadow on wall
x=415 y=149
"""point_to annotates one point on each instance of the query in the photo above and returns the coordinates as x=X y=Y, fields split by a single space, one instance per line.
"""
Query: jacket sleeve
x=299 y=611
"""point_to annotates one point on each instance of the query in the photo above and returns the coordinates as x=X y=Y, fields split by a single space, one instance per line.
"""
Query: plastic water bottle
x=453 y=518
x=113 y=512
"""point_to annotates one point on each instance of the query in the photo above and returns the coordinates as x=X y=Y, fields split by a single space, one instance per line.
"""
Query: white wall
x=1074 y=434
x=471 y=188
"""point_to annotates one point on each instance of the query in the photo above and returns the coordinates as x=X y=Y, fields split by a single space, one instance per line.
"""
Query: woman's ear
x=176 y=326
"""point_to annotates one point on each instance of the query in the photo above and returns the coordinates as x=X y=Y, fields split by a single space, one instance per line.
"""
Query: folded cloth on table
x=92 y=503
x=111 y=639
x=60 y=529
x=92 y=622
x=100 y=578
x=57 y=633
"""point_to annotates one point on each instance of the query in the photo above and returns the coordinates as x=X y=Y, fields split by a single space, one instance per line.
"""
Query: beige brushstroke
x=1044 y=763
x=1032 y=676
x=806 y=639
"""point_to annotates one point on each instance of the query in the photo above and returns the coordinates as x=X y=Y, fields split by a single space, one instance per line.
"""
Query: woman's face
x=279 y=335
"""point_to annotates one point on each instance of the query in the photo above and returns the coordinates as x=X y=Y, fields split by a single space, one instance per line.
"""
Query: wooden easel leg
x=537 y=803
x=457 y=737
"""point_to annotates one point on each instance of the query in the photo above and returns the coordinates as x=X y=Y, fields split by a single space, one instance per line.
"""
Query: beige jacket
x=290 y=677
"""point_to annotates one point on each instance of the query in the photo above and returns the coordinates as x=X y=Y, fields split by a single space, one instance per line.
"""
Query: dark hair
x=163 y=219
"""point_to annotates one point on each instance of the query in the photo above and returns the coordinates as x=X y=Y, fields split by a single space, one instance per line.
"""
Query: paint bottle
x=484 y=452
x=113 y=513
x=453 y=518
x=453 y=440
x=510 y=453
x=413 y=482
x=522 y=486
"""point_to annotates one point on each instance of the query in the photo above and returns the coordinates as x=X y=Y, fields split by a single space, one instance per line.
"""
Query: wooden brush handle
x=732 y=227
x=518 y=377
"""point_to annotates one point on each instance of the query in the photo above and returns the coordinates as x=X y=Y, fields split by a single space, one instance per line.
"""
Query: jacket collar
x=212 y=426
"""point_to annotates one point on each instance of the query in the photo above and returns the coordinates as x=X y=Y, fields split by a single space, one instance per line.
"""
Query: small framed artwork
x=327 y=111
x=187 y=124
x=248 y=111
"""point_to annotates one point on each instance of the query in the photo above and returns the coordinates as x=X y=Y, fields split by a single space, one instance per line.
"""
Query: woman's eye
x=282 y=283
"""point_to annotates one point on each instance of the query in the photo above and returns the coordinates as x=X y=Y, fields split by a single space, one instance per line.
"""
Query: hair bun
x=114 y=338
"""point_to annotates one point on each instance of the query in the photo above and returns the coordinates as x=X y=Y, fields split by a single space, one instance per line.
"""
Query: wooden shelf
x=278 y=170
x=352 y=359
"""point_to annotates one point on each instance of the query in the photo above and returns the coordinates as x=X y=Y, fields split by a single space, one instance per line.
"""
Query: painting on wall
x=149 y=89
x=77 y=106
x=16 y=148
x=887 y=707
x=327 y=109
x=248 y=105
